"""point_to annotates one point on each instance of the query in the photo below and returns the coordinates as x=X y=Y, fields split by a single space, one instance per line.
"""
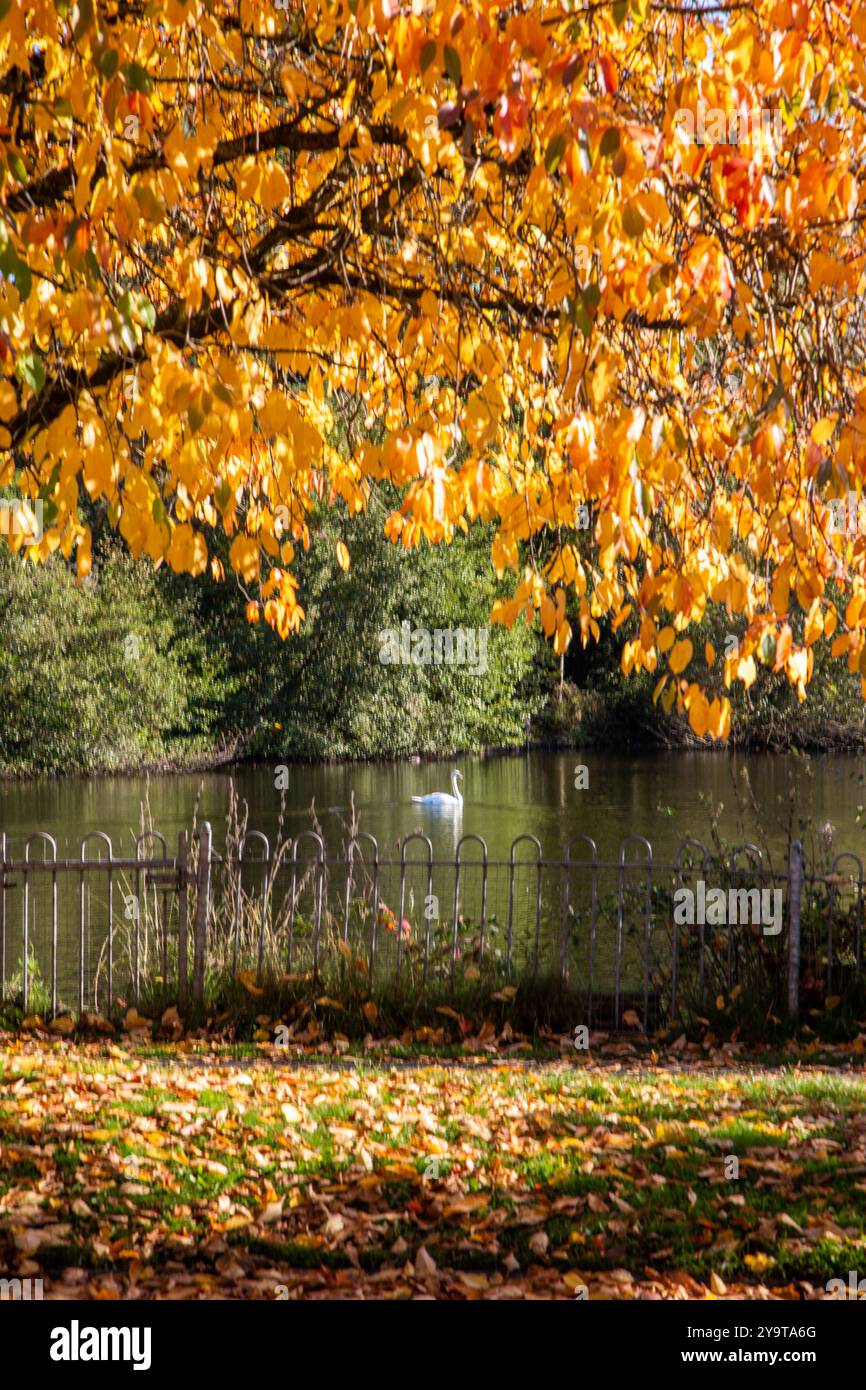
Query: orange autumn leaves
x=471 y=251
x=548 y=1172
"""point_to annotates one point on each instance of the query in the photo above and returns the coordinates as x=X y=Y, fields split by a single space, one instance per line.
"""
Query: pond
x=530 y=915
x=664 y=796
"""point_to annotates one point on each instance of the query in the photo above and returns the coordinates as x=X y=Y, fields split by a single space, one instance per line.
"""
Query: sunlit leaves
x=680 y=656
x=479 y=257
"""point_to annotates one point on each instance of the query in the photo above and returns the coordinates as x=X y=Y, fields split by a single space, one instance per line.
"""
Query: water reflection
x=665 y=797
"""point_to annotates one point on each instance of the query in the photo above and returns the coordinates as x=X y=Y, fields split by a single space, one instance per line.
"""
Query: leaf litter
x=126 y=1173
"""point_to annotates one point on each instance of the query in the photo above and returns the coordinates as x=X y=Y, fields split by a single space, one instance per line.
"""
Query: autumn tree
x=592 y=272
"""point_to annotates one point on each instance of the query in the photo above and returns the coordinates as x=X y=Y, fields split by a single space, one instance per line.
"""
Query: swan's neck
x=455 y=789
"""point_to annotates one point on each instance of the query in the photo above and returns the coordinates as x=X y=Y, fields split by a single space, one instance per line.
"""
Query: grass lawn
x=192 y=1172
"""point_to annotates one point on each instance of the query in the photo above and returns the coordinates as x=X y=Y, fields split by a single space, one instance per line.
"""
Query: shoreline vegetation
x=777 y=737
x=570 y=719
x=137 y=671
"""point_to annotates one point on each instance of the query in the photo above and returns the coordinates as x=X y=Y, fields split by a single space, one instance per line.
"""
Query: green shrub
x=325 y=693
x=95 y=676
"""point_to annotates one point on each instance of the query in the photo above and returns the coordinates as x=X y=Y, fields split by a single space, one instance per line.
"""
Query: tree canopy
x=592 y=272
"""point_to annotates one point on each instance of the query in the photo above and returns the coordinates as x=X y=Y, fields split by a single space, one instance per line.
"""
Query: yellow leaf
x=85 y=556
x=680 y=656
x=343 y=556
x=620 y=617
x=244 y=558
x=781 y=591
x=814 y=625
x=759 y=1263
x=824 y=429
x=562 y=638
x=699 y=715
x=187 y=552
x=224 y=284
x=275 y=188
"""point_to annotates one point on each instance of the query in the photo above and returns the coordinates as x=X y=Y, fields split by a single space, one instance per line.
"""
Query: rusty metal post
x=202 y=907
x=795 y=888
x=182 y=916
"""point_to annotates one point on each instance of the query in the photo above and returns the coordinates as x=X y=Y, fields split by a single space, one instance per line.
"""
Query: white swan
x=453 y=802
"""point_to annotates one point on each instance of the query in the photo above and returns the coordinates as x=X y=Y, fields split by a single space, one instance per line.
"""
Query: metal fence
x=99 y=932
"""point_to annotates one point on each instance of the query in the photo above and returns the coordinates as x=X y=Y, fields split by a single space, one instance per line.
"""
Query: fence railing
x=96 y=932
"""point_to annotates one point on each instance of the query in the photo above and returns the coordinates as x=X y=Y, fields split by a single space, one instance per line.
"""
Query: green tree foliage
x=96 y=676
x=326 y=693
x=133 y=667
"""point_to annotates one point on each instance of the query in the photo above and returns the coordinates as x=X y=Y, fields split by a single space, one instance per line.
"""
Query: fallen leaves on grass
x=184 y=1173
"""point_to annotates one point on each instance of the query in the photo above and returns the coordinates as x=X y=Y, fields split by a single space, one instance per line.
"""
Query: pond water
x=664 y=796
x=539 y=912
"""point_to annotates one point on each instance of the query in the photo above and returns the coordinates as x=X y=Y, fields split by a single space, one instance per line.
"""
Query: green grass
x=625 y=1165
